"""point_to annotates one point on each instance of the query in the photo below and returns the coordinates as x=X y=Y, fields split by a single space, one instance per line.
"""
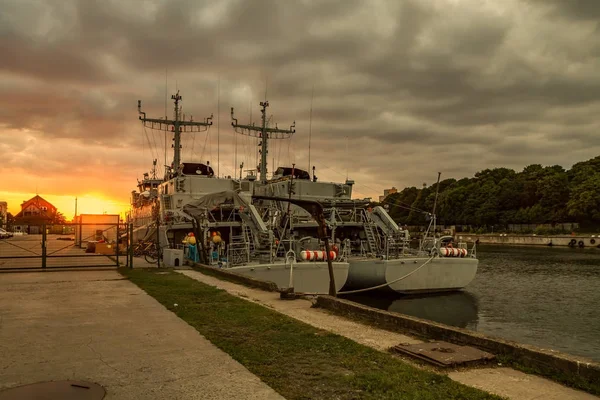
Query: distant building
x=3 y=213
x=34 y=212
x=387 y=192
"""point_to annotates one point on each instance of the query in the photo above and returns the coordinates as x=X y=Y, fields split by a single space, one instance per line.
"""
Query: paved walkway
x=505 y=382
x=98 y=327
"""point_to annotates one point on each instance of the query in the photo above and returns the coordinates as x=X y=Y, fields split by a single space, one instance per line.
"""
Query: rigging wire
x=218 y=126
x=235 y=166
x=406 y=206
x=143 y=147
x=256 y=162
x=210 y=139
x=312 y=96
x=165 y=147
x=154 y=141
x=148 y=139
x=289 y=159
x=292 y=150
x=154 y=152
x=204 y=147
x=193 y=144
x=278 y=145
x=166 y=116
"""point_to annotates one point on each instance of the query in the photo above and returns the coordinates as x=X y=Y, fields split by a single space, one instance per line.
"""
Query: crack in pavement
x=99 y=357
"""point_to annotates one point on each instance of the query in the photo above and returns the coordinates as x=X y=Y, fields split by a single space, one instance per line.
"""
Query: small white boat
x=413 y=274
x=306 y=277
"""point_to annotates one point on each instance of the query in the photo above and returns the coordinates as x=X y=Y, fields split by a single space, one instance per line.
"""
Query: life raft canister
x=317 y=255
x=452 y=252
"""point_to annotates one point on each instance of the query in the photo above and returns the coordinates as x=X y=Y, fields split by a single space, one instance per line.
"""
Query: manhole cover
x=59 y=390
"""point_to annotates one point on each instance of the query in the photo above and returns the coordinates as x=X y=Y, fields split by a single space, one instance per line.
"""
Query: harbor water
x=547 y=297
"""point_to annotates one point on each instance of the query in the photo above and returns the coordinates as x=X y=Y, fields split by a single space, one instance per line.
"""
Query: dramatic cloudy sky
x=402 y=88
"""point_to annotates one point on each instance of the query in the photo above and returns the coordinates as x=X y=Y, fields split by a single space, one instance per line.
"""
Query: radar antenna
x=264 y=133
x=176 y=126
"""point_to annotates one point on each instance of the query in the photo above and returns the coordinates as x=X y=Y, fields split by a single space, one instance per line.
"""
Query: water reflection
x=453 y=308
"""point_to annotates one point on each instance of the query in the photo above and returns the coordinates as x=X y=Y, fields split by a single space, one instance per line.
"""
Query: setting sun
x=97 y=204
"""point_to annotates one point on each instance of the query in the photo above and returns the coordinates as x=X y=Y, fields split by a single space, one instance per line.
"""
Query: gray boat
x=191 y=199
x=377 y=250
x=269 y=237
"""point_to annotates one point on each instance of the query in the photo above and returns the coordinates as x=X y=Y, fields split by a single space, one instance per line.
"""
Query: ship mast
x=154 y=168
x=264 y=134
x=176 y=125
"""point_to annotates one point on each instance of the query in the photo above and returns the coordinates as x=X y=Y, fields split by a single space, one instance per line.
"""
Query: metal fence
x=74 y=245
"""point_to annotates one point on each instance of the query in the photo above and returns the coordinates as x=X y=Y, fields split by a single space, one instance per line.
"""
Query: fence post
x=44 y=237
x=158 y=249
x=131 y=245
x=117 y=246
x=126 y=225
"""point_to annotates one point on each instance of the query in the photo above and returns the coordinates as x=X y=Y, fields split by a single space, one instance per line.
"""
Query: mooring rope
x=378 y=286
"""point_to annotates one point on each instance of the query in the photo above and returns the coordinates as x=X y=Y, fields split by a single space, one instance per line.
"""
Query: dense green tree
x=501 y=196
x=585 y=200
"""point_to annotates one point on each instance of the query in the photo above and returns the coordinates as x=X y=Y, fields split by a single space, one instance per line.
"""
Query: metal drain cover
x=59 y=390
x=444 y=354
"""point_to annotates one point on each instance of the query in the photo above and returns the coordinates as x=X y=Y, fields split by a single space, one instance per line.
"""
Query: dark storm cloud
x=410 y=87
x=71 y=114
x=52 y=61
x=575 y=9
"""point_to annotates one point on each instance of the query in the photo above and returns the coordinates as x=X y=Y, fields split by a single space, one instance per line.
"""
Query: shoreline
x=571 y=241
x=573 y=371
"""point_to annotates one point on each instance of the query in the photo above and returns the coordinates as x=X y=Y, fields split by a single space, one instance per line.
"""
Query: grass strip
x=224 y=275
x=294 y=358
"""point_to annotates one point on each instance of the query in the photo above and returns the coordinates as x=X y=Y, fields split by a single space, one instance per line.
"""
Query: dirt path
x=502 y=381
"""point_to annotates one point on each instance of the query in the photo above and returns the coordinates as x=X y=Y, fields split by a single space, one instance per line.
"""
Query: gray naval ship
x=257 y=225
x=231 y=232
x=377 y=249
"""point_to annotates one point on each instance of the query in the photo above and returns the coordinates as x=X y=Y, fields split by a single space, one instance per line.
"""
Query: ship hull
x=307 y=277
x=438 y=275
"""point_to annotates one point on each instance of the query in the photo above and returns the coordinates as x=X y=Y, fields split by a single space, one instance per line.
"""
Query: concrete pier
x=97 y=326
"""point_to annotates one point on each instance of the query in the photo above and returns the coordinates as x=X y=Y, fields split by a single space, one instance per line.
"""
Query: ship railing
x=238 y=253
x=290 y=259
x=474 y=250
x=363 y=249
x=344 y=250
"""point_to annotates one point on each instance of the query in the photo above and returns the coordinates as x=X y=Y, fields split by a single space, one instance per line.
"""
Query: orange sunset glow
x=86 y=204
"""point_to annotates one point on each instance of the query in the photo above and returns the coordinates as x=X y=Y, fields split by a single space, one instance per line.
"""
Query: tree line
x=501 y=196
